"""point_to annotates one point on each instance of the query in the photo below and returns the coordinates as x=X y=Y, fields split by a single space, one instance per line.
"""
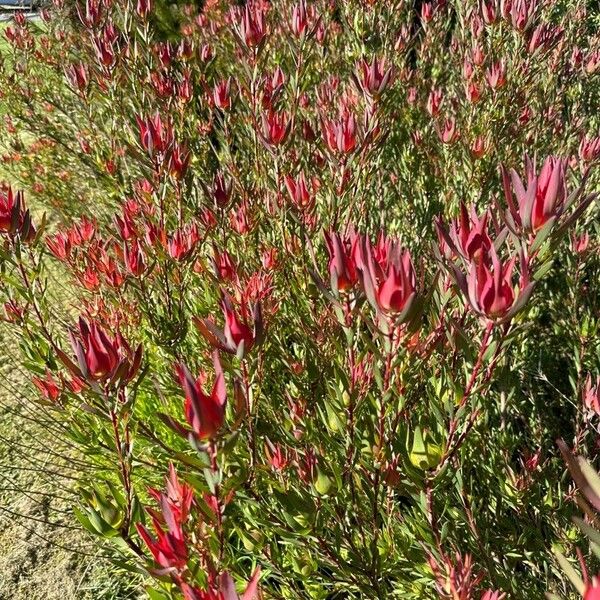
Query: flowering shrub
x=335 y=273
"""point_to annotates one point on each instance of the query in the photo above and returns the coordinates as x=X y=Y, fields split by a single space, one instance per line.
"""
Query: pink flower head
x=489 y=286
x=340 y=135
x=373 y=77
x=542 y=199
x=388 y=276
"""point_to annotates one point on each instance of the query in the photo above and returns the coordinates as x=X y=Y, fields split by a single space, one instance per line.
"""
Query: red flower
x=299 y=192
x=589 y=148
x=239 y=334
x=179 y=160
x=397 y=289
x=169 y=548
x=340 y=136
x=388 y=277
x=14 y=217
x=225 y=591
x=276 y=127
x=177 y=496
x=496 y=75
x=221 y=94
x=543 y=199
x=373 y=78
x=592 y=591
x=59 y=245
x=468 y=235
x=343 y=255
x=183 y=242
x=156 y=137
x=47 y=386
x=134 y=258
x=249 y=25
x=100 y=357
x=204 y=413
x=489 y=286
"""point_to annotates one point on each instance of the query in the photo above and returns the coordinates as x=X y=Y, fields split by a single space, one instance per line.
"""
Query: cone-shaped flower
x=343 y=252
x=398 y=287
x=205 y=413
x=542 y=199
x=226 y=589
x=591 y=394
x=240 y=332
x=468 y=235
x=489 y=286
x=101 y=358
x=388 y=276
x=592 y=590
x=169 y=548
x=47 y=386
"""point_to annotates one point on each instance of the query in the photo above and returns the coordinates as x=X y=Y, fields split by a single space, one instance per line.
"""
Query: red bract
x=239 y=334
x=303 y=22
x=589 y=148
x=276 y=456
x=373 y=78
x=156 y=136
x=221 y=190
x=204 y=413
x=60 y=245
x=134 y=258
x=47 y=386
x=489 y=286
x=340 y=135
x=223 y=265
x=275 y=128
x=493 y=595
x=488 y=11
x=179 y=160
x=182 y=243
x=177 y=497
x=542 y=201
x=78 y=76
x=14 y=217
x=496 y=75
x=343 y=256
x=455 y=580
x=225 y=591
x=101 y=358
x=143 y=8
x=468 y=235
x=522 y=13
x=221 y=94
x=90 y=14
x=388 y=277
x=592 y=590
x=249 y=25
x=299 y=192
x=169 y=548
x=449 y=133
x=434 y=101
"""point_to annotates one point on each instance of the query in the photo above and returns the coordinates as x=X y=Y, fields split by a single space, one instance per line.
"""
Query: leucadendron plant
x=332 y=273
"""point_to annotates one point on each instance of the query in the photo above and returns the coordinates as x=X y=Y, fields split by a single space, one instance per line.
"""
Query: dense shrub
x=335 y=272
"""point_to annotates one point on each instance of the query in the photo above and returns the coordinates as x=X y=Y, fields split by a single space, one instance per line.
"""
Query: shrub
x=334 y=267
